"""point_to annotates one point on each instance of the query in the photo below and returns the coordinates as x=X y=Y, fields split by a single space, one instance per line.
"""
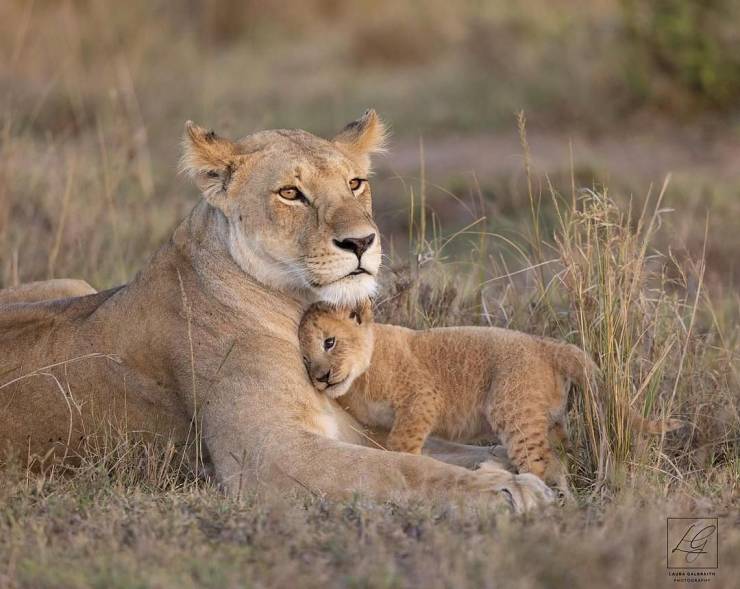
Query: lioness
x=204 y=338
x=463 y=383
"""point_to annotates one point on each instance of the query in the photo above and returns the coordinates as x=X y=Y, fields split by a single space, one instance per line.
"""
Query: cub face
x=337 y=345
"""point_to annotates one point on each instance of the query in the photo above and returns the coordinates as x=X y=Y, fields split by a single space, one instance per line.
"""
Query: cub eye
x=355 y=316
x=329 y=343
x=292 y=193
x=356 y=184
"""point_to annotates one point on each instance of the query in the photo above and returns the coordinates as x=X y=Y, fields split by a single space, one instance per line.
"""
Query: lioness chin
x=203 y=340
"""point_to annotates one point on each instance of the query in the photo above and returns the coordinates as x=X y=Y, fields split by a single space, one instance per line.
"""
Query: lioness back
x=45 y=290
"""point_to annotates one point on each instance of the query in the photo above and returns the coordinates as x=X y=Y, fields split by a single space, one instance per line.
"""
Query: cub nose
x=357 y=245
x=324 y=378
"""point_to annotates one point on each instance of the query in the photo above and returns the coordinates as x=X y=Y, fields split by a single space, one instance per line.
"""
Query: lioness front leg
x=465 y=455
x=347 y=469
x=254 y=443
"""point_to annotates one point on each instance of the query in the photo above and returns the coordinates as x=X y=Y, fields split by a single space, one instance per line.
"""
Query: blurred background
x=615 y=92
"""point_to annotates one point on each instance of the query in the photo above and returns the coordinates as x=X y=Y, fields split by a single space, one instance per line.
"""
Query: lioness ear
x=208 y=159
x=362 y=138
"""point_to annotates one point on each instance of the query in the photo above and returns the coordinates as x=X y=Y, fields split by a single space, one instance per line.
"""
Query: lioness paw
x=525 y=492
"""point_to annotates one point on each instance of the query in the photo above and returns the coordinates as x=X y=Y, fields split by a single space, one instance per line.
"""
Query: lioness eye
x=356 y=183
x=329 y=343
x=292 y=193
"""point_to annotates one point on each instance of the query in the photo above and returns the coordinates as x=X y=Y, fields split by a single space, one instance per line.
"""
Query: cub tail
x=653 y=426
x=576 y=365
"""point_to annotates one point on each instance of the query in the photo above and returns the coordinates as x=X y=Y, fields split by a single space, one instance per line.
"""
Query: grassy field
x=609 y=219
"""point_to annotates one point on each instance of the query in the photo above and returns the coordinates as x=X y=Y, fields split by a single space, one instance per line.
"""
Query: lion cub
x=461 y=383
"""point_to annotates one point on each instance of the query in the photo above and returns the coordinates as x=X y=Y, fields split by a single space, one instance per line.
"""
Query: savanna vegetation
x=607 y=217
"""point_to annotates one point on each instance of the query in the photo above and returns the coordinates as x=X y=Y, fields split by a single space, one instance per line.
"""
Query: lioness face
x=298 y=207
x=337 y=345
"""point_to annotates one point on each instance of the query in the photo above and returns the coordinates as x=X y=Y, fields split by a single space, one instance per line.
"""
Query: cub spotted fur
x=462 y=383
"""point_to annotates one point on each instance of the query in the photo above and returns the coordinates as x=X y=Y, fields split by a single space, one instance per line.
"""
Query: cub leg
x=524 y=429
x=529 y=446
x=415 y=420
x=559 y=435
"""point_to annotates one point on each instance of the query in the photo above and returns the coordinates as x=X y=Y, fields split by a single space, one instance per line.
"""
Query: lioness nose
x=325 y=378
x=358 y=245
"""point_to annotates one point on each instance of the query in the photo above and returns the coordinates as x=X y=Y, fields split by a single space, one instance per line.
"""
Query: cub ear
x=208 y=159
x=362 y=138
x=363 y=312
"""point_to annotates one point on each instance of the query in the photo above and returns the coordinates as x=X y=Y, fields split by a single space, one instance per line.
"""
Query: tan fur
x=462 y=383
x=45 y=290
x=204 y=338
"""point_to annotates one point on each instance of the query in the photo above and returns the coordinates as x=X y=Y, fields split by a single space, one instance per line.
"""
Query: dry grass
x=94 y=100
x=644 y=316
x=98 y=533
